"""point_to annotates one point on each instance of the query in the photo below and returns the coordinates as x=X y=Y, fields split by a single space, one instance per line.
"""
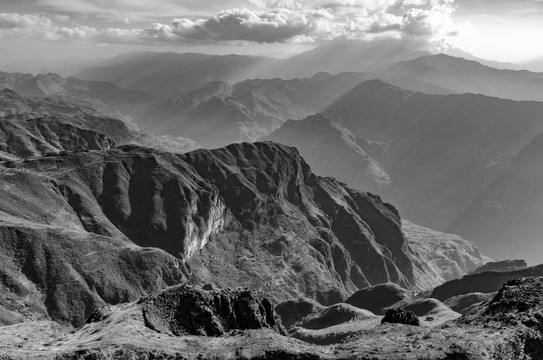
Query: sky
x=68 y=31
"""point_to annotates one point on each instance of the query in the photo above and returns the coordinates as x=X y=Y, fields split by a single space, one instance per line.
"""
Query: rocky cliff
x=251 y=214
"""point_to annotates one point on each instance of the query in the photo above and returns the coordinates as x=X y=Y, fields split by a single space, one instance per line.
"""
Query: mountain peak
x=371 y=89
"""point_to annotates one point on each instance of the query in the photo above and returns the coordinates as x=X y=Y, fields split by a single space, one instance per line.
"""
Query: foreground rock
x=401 y=316
x=187 y=310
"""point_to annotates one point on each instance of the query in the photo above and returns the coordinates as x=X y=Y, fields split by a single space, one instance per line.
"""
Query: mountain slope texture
x=125 y=221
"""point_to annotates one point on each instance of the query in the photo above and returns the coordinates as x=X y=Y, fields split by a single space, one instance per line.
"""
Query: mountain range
x=437 y=154
x=464 y=76
x=173 y=74
x=251 y=214
x=219 y=114
x=168 y=206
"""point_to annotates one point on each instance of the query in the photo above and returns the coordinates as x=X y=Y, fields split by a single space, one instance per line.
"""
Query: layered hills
x=172 y=74
x=464 y=76
x=101 y=96
x=333 y=150
x=356 y=56
x=443 y=152
x=218 y=113
x=31 y=126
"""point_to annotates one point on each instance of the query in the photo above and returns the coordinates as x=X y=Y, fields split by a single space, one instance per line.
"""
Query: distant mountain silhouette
x=172 y=74
x=219 y=114
x=32 y=126
x=348 y=56
x=466 y=76
x=101 y=96
x=533 y=64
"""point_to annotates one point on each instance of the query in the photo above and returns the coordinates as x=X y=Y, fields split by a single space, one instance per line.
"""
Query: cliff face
x=248 y=214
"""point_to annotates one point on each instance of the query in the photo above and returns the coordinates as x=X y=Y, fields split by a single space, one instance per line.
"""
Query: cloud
x=115 y=11
x=243 y=24
x=339 y=19
x=295 y=22
x=17 y=21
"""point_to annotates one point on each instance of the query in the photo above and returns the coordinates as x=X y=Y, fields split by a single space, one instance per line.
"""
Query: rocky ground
x=239 y=324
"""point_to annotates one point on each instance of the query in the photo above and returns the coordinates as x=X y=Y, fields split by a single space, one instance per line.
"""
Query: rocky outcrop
x=518 y=300
x=518 y=305
x=400 y=316
x=501 y=266
x=186 y=310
